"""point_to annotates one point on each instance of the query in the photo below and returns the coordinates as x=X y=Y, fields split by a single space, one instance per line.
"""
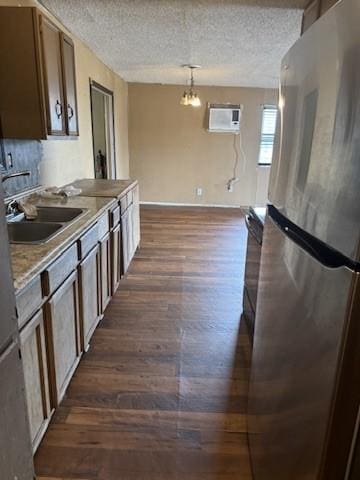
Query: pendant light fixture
x=190 y=97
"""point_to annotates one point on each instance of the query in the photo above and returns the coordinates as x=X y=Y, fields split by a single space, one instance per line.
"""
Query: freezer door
x=301 y=316
x=315 y=177
x=15 y=449
x=8 y=323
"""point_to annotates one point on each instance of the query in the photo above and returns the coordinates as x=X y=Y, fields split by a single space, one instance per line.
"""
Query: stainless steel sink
x=49 y=221
x=57 y=214
x=32 y=232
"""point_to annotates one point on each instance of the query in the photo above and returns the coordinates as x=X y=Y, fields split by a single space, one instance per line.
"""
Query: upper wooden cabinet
x=37 y=81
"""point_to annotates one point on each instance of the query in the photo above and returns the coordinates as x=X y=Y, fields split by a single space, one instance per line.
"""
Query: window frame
x=267 y=106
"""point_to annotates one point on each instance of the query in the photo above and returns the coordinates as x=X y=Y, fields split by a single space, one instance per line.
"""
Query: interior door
x=70 y=85
x=301 y=316
x=315 y=178
x=102 y=120
x=52 y=64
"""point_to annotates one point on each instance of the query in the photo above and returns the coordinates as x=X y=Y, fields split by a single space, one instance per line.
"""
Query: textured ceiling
x=238 y=43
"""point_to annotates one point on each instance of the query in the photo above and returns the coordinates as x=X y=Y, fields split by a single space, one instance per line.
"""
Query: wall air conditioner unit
x=224 y=118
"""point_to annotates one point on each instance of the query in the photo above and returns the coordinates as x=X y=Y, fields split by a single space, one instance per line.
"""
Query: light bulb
x=184 y=99
x=195 y=101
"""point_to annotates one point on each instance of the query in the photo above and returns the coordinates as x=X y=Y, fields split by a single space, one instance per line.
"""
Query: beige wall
x=66 y=160
x=171 y=153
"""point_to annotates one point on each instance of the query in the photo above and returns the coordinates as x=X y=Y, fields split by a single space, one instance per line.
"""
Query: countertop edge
x=122 y=190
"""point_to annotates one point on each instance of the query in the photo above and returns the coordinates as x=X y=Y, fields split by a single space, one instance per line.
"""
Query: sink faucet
x=25 y=173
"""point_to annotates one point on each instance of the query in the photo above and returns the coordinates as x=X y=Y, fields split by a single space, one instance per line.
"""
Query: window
x=268 y=127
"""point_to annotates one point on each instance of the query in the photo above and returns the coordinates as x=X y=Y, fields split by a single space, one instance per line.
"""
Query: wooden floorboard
x=162 y=392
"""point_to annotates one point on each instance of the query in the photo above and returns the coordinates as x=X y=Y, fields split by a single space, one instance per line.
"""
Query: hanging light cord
x=242 y=151
x=236 y=157
x=191 y=80
x=234 y=178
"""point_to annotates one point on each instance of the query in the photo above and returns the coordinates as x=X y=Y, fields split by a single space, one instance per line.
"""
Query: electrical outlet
x=199 y=191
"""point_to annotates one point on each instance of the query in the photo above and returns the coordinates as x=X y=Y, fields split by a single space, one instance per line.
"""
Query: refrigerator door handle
x=304 y=244
x=327 y=256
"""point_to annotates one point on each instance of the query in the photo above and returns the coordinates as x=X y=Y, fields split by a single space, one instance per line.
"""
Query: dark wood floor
x=161 y=394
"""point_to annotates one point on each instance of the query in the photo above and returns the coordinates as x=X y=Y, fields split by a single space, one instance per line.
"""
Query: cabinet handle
x=58 y=109
x=70 y=111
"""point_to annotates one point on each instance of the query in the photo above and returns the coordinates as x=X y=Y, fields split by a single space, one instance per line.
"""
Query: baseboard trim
x=174 y=204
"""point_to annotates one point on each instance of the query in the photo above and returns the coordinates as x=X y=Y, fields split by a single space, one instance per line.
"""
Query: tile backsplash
x=25 y=155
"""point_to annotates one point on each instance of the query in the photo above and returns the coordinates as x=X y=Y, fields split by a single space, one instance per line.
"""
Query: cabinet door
x=63 y=333
x=51 y=52
x=136 y=216
x=116 y=260
x=131 y=232
x=22 y=107
x=70 y=85
x=105 y=271
x=125 y=241
x=33 y=353
x=89 y=296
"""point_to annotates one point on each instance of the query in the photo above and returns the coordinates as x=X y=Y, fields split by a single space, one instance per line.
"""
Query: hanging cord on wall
x=235 y=178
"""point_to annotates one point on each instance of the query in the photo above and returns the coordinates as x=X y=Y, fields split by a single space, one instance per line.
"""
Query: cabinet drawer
x=60 y=270
x=115 y=217
x=103 y=225
x=123 y=204
x=88 y=241
x=29 y=300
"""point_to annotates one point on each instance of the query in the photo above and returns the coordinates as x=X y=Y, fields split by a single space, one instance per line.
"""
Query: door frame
x=109 y=127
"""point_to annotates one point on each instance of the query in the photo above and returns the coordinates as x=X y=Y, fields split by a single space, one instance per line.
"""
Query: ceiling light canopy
x=190 y=97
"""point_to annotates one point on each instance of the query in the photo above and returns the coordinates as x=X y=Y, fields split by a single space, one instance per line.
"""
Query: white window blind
x=268 y=127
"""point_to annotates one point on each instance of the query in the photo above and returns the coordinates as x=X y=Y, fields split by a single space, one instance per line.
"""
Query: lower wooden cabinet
x=105 y=271
x=63 y=334
x=116 y=267
x=60 y=309
x=33 y=353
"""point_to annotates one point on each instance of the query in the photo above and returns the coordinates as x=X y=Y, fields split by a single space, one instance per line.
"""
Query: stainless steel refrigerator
x=305 y=379
x=15 y=446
